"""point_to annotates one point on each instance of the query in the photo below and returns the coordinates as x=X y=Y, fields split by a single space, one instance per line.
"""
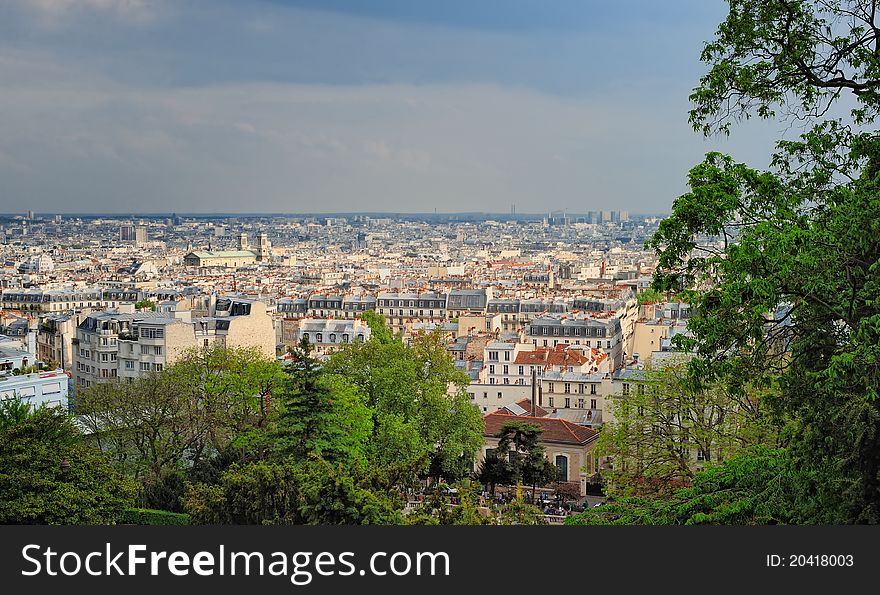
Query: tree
x=751 y=488
x=422 y=415
x=160 y=423
x=519 y=444
x=659 y=428
x=781 y=266
x=791 y=55
x=379 y=331
x=145 y=304
x=291 y=492
x=257 y=493
x=48 y=475
x=321 y=414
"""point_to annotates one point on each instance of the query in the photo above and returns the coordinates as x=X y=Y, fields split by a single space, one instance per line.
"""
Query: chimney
x=534 y=392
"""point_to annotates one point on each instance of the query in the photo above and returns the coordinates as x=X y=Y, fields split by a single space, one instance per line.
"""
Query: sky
x=119 y=106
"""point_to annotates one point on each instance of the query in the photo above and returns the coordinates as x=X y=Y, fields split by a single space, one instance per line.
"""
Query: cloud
x=58 y=12
x=307 y=148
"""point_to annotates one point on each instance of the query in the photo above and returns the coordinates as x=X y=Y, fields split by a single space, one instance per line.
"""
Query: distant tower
x=264 y=249
x=242 y=241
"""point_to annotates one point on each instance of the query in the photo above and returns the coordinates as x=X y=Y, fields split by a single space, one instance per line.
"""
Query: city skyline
x=298 y=106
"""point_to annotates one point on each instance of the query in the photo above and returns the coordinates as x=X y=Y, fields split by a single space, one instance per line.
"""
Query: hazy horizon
x=119 y=106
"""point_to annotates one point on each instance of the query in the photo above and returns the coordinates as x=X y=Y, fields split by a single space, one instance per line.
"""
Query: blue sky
x=346 y=105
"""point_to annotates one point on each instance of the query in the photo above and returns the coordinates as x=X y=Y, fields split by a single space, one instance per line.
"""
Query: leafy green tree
x=321 y=413
x=291 y=492
x=791 y=58
x=380 y=332
x=48 y=475
x=159 y=424
x=422 y=415
x=145 y=305
x=335 y=493
x=13 y=412
x=257 y=493
x=781 y=266
x=751 y=488
x=664 y=421
x=650 y=296
x=519 y=444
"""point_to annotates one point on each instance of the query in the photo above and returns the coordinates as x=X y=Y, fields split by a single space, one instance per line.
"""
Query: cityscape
x=544 y=265
x=104 y=298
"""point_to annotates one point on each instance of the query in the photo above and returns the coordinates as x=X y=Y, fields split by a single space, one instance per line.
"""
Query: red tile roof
x=554 y=429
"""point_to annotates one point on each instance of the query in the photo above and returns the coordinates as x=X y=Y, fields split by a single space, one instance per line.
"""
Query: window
x=319 y=337
x=333 y=337
x=499 y=394
x=491 y=369
x=567 y=402
x=550 y=401
x=506 y=368
x=625 y=388
x=507 y=356
x=129 y=365
x=145 y=366
x=592 y=403
x=701 y=456
x=580 y=403
x=485 y=395
x=641 y=410
x=521 y=371
x=157 y=350
x=157 y=367
x=561 y=468
x=592 y=389
x=567 y=388
x=493 y=356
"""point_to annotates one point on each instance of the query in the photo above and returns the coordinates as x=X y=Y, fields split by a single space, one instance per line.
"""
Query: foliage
x=649 y=296
x=781 y=266
x=321 y=414
x=751 y=488
x=48 y=475
x=260 y=493
x=422 y=416
x=440 y=509
x=519 y=512
x=379 y=331
x=13 y=412
x=518 y=457
x=206 y=402
x=290 y=492
x=148 y=516
x=789 y=55
x=664 y=421
x=145 y=304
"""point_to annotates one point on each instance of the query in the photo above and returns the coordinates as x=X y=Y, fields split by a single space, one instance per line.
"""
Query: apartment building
x=402 y=309
x=110 y=345
x=602 y=333
x=329 y=335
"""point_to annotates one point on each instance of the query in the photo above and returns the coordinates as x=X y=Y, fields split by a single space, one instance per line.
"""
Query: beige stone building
x=110 y=345
x=569 y=446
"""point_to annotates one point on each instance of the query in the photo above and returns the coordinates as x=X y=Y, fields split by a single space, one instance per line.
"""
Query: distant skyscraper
x=126 y=233
x=624 y=216
x=605 y=217
x=30 y=215
x=135 y=234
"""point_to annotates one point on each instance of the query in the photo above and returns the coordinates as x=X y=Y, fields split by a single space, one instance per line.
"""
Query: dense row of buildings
x=544 y=317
